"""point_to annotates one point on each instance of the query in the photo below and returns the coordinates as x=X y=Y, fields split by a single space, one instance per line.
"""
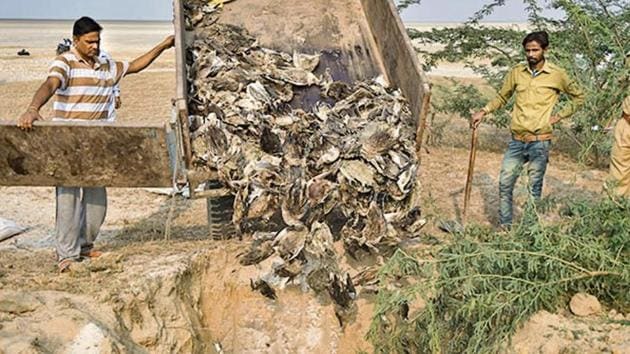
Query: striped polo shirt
x=86 y=92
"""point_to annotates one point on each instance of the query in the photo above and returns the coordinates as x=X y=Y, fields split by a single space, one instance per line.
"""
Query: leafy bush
x=480 y=288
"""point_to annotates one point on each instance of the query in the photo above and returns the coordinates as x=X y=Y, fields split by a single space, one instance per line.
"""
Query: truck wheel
x=220 y=211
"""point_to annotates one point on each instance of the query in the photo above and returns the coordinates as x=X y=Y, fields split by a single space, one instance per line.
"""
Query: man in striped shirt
x=83 y=86
x=65 y=46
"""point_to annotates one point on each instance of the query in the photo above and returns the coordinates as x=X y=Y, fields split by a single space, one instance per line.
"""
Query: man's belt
x=528 y=138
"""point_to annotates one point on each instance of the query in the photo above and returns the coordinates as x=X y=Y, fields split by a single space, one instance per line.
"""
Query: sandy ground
x=134 y=231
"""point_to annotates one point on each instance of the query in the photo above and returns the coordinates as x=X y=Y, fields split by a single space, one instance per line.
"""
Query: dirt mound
x=548 y=333
x=184 y=301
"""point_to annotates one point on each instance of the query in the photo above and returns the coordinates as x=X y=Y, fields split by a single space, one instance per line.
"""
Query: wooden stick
x=422 y=120
x=471 y=168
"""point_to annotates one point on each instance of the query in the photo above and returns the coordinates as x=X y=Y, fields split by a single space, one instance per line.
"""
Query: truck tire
x=220 y=211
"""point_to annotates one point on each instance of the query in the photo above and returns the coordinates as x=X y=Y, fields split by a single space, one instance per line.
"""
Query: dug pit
x=182 y=302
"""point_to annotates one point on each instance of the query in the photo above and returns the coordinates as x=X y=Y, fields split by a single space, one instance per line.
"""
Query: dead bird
x=289 y=269
x=290 y=241
x=294 y=202
x=405 y=221
x=354 y=243
x=367 y=275
x=367 y=278
x=342 y=292
x=403 y=310
x=345 y=315
x=270 y=142
x=350 y=287
x=318 y=279
x=375 y=225
x=343 y=295
x=319 y=242
x=264 y=288
x=258 y=253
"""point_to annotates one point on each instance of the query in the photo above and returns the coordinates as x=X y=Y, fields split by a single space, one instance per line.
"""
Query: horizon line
x=73 y=19
x=158 y=20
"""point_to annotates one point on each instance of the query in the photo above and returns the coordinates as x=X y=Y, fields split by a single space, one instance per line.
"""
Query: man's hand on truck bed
x=25 y=122
x=169 y=41
x=43 y=94
x=141 y=62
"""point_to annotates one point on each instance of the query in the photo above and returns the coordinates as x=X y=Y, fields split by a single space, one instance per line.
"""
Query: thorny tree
x=470 y=295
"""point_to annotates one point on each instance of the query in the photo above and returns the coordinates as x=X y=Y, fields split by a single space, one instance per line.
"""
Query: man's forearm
x=494 y=104
x=504 y=94
x=146 y=59
x=576 y=95
x=571 y=107
x=43 y=94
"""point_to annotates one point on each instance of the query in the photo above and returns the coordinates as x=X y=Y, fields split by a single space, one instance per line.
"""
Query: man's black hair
x=541 y=37
x=85 y=25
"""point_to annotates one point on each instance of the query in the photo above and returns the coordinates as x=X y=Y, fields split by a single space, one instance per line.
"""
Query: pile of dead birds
x=303 y=178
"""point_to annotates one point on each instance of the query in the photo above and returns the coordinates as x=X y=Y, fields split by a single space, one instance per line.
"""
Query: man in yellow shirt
x=620 y=156
x=537 y=85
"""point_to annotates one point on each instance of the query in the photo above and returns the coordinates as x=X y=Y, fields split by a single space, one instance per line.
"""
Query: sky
x=146 y=10
x=461 y=10
x=161 y=10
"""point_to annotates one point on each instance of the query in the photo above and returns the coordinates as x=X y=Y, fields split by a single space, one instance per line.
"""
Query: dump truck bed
x=357 y=40
x=337 y=29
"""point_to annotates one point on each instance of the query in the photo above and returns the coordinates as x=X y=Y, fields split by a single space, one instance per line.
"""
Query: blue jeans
x=536 y=155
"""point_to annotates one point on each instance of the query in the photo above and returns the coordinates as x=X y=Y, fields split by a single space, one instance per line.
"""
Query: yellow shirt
x=535 y=97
